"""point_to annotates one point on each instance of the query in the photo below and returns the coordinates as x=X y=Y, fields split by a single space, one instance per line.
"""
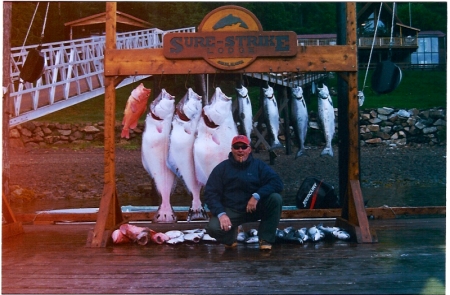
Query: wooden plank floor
x=408 y=259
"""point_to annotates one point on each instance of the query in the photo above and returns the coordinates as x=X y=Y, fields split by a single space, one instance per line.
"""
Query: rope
x=45 y=21
x=373 y=44
x=392 y=30
x=31 y=23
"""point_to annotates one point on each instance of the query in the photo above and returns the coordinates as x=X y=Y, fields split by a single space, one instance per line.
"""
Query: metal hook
x=159 y=86
x=246 y=79
x=214 y=80
x=185 y=83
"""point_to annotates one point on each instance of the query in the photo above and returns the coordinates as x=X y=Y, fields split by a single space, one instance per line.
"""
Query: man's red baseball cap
x=240 y=138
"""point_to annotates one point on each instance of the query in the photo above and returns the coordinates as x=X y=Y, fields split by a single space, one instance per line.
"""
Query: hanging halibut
x=300 y=117
x=155 y=149
x=216 y=130
x=272 y=115
x=243 y=112
x=134 y=109
x=326 y=116
x=181 y=149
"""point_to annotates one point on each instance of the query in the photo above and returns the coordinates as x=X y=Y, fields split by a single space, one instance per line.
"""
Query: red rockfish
x=135 y=108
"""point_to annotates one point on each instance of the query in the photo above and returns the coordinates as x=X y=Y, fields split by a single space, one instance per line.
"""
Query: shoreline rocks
x=388 y=126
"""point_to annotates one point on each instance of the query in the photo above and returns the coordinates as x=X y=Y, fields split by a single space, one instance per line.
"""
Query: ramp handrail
x=70 y=66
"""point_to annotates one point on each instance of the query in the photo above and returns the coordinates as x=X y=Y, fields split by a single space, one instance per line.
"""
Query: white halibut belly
x=181 y=156
x=207 y=153
x=155 y=149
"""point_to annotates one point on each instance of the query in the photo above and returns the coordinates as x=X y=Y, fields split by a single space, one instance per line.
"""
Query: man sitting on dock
x=243 y=189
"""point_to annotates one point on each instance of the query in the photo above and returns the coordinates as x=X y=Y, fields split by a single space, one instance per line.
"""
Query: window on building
x=427 y=53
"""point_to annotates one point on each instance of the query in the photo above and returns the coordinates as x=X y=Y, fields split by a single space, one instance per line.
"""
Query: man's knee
x=213 y=226
x=276 y=200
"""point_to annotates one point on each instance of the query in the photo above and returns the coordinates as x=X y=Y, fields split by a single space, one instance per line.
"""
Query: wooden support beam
x=11 y=227
x=110 y=213
x=353 y=217
x=130 y=62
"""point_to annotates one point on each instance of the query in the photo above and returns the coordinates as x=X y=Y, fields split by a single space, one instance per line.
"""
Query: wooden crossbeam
x=372 y=213
x=131 y=62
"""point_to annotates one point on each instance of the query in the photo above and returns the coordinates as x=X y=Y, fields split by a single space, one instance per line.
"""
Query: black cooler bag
x=316 y=194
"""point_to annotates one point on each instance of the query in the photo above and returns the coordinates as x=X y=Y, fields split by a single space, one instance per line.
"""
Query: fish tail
x=327 y=152
x=125 y=133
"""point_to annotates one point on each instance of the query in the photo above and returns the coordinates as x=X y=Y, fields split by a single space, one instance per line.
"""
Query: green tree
x=426 y=16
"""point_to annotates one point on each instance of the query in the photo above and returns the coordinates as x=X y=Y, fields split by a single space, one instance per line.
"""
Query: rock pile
x=377 y=126
x=35 y=134
x=401 y=127
x=393 y=127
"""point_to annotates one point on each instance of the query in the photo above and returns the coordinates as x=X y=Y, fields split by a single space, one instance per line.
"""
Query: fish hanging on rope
x=216 y=130
x=300 y=117
x=134 y=109
x=155 y=150
x=326 y=116
x=181 y=149
x=243 y=112
x=272 y=116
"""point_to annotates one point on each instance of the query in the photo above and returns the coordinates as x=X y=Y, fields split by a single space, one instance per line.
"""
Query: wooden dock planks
x=409 y=258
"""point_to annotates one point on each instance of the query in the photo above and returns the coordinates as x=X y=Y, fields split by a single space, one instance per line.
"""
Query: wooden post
x=11 y=227
x=110 y=213
x=354 y=217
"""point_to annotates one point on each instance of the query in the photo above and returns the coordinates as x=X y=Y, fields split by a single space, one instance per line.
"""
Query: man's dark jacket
x=231 y=184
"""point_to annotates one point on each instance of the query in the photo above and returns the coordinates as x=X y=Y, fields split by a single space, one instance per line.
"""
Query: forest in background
x=300 y=17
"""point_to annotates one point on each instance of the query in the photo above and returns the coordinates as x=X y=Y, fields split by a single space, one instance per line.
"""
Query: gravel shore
x=44 y=179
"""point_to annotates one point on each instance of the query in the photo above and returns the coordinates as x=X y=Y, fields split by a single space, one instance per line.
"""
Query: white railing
x=386 y=41
x=362 y=41
x=73 y=72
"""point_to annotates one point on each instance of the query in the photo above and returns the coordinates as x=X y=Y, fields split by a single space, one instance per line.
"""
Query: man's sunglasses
x=242 y=147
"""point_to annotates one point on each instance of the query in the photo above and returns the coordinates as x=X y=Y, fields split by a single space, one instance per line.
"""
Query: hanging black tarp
x=386 y=77
x=33 y=66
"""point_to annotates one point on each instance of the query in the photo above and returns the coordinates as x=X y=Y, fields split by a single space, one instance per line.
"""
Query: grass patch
x=418 y=89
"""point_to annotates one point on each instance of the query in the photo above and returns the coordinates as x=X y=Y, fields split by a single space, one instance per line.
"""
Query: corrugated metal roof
x=316 y=36
x=432 y=33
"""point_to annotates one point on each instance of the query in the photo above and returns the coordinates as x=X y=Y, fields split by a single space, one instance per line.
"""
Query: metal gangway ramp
x=73 y=73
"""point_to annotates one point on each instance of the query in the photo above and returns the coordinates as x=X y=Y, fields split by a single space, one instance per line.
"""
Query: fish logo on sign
x=230 y=20
x=230 y=38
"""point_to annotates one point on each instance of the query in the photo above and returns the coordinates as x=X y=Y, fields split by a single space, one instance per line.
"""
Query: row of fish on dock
x=128 y=233
x=188 y=140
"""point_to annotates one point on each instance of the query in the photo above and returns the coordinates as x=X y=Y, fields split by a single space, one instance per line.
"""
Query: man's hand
x=225 y=222
x=251 y=205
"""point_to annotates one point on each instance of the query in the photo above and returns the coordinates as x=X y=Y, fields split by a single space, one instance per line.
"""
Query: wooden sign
x=230 y=38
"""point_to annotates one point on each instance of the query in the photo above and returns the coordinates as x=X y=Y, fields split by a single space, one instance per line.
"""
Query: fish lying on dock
x=155 y=150
x=326 y=116
x=194 y=236
x=134 y=109
x=136 y=234
x=315 y=234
